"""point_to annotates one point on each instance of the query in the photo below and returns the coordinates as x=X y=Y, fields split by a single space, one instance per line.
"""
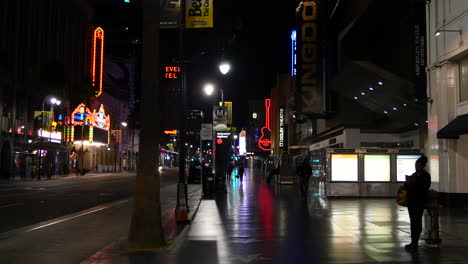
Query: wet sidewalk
x=259 y=223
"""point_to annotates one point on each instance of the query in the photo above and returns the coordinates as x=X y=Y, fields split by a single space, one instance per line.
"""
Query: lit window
x=463 y=79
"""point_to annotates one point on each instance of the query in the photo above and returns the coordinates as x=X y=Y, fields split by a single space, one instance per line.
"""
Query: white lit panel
x=344 y=167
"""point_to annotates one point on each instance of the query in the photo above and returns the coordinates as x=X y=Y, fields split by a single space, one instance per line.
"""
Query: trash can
x=432 y=207
x=208 y=182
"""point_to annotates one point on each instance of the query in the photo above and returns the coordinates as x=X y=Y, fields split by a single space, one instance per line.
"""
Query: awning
x=455 y=128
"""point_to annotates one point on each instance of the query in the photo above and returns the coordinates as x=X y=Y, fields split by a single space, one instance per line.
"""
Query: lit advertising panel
x=377 y=168
x=344 y=167
x=405 y=166
x=242 y=142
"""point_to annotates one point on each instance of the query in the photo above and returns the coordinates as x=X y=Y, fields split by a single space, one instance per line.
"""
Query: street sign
x=206 y=132
x=219 y=118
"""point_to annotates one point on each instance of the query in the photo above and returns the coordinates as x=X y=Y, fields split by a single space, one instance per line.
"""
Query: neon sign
x=265 y=140
x=171 y=132
x=171 y=72
x=100 y=119
x=81 y=115
x=97 y=61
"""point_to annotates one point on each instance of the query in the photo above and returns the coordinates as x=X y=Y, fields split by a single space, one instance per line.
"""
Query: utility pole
x=146 y=231
x=182 y=200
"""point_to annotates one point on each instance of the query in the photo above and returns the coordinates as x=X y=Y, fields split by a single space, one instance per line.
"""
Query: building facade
x=447 y=75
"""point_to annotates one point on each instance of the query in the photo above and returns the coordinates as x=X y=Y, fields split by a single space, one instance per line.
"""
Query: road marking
x=99 y=208
x=10 y=205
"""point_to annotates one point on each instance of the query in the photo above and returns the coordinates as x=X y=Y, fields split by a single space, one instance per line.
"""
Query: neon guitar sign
x=265 y=140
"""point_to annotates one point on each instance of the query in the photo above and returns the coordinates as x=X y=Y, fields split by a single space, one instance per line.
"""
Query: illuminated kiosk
x=89 y=131
x=364 y=172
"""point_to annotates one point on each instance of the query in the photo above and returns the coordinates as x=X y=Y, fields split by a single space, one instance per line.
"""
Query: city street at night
x=66 y=220
x=259 y=223
x=216 y=131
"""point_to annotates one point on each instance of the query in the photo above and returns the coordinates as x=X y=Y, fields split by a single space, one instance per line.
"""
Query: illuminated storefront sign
x=171 y=132
x=55 y=137
x=100 y=119
x=172 y=72
x=265 y=139
x=242 y=142
x=97 y=61
x=293 y=52
x=82 y=116
x=281 y=127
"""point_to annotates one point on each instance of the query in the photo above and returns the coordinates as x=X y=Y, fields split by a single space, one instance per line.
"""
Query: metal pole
x=181 y=185
x=222 y=97
x=40 y=142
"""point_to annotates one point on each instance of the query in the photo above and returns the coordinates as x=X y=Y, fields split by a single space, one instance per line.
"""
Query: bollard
x=432 y=207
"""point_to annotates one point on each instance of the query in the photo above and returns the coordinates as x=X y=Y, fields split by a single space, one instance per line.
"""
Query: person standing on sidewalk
x=417 y=186
x=240 y=172
x=304 y=171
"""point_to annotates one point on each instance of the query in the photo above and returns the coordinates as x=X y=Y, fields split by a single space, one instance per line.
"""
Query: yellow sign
x=46 y=122
x=199 y=14
x=229 y=110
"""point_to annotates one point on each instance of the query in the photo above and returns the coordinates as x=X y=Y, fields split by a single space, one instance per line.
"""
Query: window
x=463 y=79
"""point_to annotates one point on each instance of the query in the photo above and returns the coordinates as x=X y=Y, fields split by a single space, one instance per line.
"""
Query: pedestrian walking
x=273 y=172
x=304 y=172
x=417 y=186
x=240 y=172
x=230 y=168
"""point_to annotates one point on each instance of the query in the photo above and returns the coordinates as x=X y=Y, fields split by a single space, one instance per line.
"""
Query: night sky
x=253 y=36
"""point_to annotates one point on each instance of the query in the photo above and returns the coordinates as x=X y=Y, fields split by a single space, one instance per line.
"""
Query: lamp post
x=53 y=101
x=209 y=89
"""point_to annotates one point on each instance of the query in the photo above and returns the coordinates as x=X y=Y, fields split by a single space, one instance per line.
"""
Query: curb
x=116 y=250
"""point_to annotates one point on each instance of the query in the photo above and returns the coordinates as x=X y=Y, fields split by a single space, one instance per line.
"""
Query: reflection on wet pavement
x=259 y=223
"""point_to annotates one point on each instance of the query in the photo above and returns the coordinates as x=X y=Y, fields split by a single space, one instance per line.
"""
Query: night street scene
x=216 y=131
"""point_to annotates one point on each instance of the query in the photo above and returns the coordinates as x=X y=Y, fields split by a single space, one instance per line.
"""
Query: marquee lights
x=83 y=116
x=98 y=61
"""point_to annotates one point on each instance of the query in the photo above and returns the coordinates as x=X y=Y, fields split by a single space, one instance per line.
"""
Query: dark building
x=43 y=52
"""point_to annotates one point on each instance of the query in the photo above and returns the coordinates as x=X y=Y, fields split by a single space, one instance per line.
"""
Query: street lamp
x=224 y=67
x=209 y=89
x=438 y=32
x=52 y=101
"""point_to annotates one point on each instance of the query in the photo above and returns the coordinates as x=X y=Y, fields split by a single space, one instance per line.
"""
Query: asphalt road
x=26 y=203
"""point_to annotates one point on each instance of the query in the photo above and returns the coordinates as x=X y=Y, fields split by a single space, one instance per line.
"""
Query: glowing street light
x=209 y=88
x=224 y=67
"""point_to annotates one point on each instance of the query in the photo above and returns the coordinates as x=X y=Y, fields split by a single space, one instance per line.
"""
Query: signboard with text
x=206 y=132
x=199 y=14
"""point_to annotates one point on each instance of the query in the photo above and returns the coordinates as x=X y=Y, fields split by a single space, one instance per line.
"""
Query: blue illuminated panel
x=293 y=52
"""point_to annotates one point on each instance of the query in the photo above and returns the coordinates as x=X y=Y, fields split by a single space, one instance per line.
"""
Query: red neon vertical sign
x=265 y=140
x=98 y=61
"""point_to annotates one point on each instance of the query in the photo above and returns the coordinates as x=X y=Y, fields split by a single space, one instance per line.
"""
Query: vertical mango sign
x=199 y=14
